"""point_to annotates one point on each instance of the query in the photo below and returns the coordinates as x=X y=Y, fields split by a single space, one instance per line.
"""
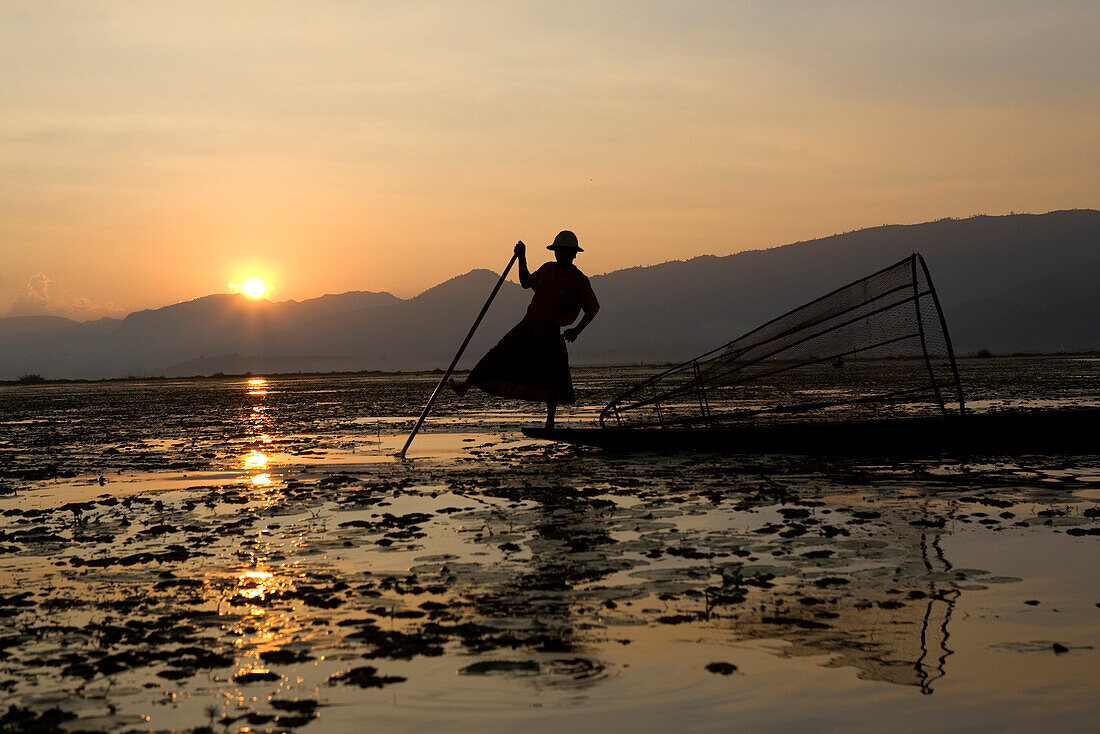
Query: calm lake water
x=246 y=555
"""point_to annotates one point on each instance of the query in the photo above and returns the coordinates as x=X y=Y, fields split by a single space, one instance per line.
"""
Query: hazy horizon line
x=122 y=315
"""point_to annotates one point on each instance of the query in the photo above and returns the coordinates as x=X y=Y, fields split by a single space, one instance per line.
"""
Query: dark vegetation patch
x=256 y=676
x=18 y=720
x=487 y=667
x=365 y=677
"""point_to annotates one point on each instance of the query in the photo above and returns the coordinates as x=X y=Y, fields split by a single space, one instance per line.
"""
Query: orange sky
x=154 y=152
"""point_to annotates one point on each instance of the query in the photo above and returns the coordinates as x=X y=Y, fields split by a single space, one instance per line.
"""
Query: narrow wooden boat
x=1064 y=431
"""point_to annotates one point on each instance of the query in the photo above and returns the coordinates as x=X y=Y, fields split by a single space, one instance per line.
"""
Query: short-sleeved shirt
x=561 y=291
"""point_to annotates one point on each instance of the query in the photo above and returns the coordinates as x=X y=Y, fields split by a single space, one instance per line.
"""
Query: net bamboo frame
x=877 y=347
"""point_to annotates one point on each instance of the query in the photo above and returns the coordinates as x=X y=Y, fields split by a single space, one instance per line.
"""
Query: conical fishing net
x=875 y=348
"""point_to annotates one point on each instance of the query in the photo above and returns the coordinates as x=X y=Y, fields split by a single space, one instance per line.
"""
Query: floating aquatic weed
x=256 y=675
x=301 y=706
x=365 y=677
x=294 y=721
x=19 y=719
x=488 y=667
x=395 y=644
x=285 y=657
x=1039 y=646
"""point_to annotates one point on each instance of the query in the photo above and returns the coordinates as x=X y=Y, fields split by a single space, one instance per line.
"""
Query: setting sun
x=254 y=288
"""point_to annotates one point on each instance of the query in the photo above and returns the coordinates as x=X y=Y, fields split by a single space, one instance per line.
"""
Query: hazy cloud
x=36 y=299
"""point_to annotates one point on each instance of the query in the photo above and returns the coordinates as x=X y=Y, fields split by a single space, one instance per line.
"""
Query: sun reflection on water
x=256 y=584
x=255 y=460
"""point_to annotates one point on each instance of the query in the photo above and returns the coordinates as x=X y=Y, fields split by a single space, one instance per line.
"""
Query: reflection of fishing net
x=877 y=347
x=896 y=632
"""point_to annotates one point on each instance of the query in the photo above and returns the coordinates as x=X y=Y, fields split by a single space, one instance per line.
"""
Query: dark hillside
x=1008 y=284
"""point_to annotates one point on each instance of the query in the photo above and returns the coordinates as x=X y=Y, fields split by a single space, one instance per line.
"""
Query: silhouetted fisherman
x=531 y=362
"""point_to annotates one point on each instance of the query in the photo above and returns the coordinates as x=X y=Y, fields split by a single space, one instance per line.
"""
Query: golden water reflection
x=256 y=584
x=255 y=460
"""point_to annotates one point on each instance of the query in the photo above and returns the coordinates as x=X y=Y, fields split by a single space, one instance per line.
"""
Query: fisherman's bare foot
x=460 y=388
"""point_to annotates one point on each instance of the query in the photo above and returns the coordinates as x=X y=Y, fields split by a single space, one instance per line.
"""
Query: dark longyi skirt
x=530 y=362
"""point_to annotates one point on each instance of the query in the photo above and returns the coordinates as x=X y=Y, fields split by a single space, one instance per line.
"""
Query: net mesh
x=877 y=347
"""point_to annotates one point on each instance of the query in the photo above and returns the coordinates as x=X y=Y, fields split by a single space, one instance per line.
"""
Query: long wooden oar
x=466 y=341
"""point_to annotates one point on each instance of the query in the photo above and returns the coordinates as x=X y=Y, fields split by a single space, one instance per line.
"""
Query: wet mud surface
x=247 y=556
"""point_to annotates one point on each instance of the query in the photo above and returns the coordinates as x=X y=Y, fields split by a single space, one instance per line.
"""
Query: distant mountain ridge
x=1007 y=283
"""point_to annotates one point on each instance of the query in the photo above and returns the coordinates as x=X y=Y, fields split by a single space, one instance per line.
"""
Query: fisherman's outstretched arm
x=524 y=273
x=571 y=334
